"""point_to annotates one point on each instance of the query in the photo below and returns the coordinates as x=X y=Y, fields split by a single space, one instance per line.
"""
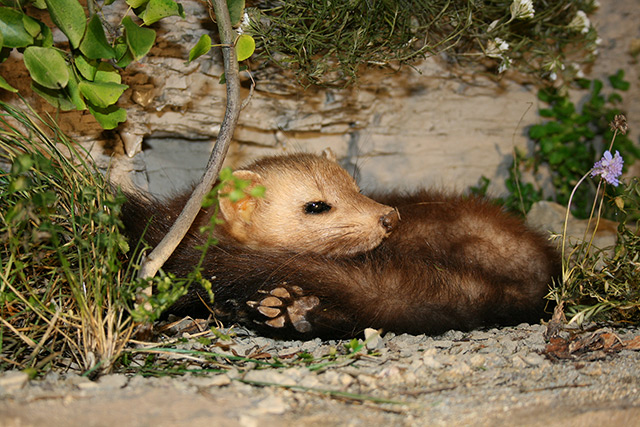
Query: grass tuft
x=64 y=292
x=326 y=42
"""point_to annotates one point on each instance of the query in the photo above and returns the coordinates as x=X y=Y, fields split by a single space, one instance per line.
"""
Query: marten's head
x=311 y=204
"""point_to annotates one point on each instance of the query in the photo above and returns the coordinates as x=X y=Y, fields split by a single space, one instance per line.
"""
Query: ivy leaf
x=158 y=9
x=236 y=10
x=74 y=93
x=140 y=40
x=106 y=73
x=86 y=67
x=12 y=28
x=46 y=66
x=31 y=26
x=123 y=54
x=55 y=97
x=102 y=94
x=6 y=86
x=137 y=3
x=94 y=44
x=201 y=48
x=108 y=117
x=45 y=38
x=618 y=82
x=245 y=46
x=69 y=16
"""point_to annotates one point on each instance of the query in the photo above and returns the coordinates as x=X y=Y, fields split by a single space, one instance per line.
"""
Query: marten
x=316 y=258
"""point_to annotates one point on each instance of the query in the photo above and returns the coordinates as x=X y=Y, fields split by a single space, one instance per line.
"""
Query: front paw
x=286 y=305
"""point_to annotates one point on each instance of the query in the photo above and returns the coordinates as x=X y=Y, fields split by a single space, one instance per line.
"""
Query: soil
x=490 y=377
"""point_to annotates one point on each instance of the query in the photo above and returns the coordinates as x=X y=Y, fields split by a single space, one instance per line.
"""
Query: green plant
x=64 y=292
x=327 y=42
x=568 y=142
x=599 y=284
x=85 y=75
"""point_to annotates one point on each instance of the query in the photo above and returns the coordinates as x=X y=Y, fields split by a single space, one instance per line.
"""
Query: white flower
x=577 y=70
x=492 y=26
x=505 y=65
x=496 y=47
x=522 y=9
x=580 y=22
x=246 y=21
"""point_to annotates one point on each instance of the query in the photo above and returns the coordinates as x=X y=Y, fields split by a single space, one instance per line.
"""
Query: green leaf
x=158 y=9
x=537 y=131
x=94 y=44
x=55 y=97
x=6 y=86
x=597 y=87
x=245 y=46
x=108 y=117
x=140 y=40
x=45 y=38
x=87 y=68
x=236 y=10
x=69 y=16
x=101 y=94
x=22 y=164
x=618 y=82
x=107 y=74
x=123 y=54
x=46 y=66
x=201 y=48
x=136 y=3
x=12 y=29
x=74 y=93
x=31 y=26
x=546 y=112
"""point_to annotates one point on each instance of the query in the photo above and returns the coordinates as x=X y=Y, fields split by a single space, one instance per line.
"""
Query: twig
x=165 y=248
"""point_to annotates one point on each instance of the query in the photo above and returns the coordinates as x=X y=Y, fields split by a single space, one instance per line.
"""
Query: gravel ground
x=489 y=377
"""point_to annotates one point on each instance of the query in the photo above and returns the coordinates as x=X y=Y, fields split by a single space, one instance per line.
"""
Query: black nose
x=389 y=220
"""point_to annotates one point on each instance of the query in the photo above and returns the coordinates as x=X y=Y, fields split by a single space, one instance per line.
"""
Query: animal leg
x=284 y=306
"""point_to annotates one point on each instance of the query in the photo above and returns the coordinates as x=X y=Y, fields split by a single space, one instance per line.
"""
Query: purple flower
x=609 y=168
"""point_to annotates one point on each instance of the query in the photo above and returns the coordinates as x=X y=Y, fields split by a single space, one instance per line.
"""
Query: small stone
x=272 y=405
x=460 y=369
x=372 y=338
x=477 y=361
x=534 y=359
x=518 y=362
x=430 y=362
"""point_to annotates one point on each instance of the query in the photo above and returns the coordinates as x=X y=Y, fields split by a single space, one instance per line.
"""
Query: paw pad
x=283 y=306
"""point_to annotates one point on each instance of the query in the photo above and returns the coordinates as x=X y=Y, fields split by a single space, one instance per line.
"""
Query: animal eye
x=316 y=207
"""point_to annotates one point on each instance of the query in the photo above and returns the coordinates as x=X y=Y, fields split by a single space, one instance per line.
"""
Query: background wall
x=401 y=129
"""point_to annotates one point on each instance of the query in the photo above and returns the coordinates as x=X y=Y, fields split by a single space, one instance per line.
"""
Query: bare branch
x=165 y=248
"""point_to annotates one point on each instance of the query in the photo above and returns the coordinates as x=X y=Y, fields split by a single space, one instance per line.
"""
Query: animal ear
x=238 y=214
x=328 y=154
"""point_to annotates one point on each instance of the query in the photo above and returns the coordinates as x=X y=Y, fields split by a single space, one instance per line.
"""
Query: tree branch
x=165 y=248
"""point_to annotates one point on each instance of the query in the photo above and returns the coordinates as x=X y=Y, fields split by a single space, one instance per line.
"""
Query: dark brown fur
x=450 y=263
